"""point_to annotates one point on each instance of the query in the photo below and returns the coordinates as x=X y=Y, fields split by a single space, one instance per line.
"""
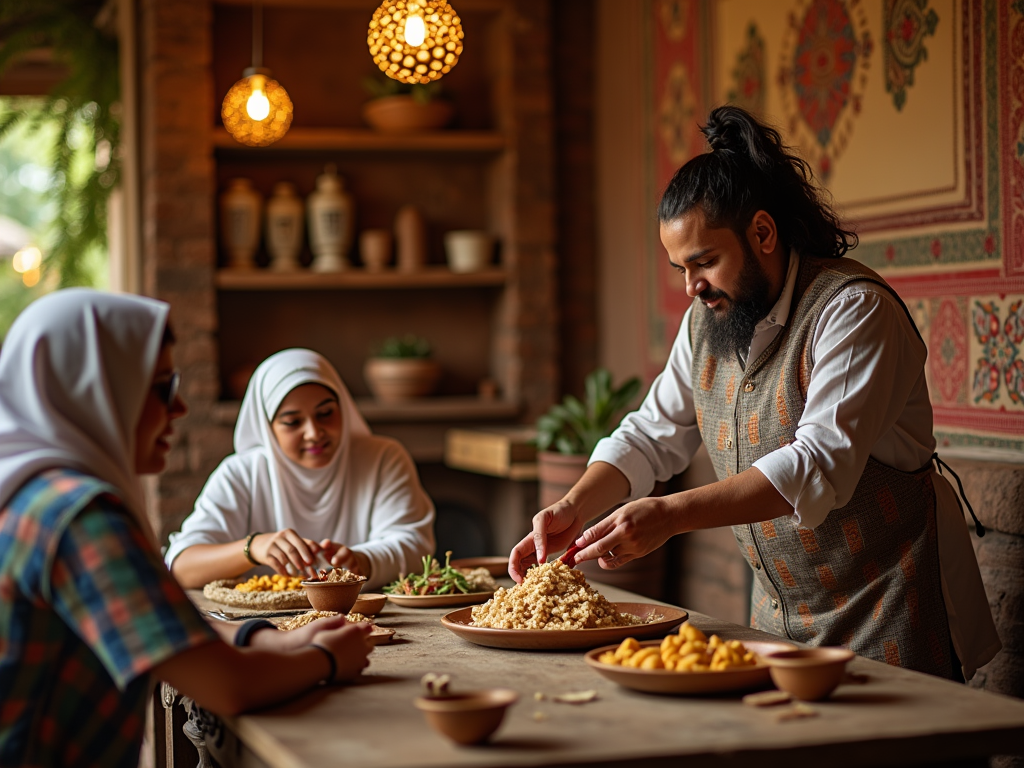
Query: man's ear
x=763 y=232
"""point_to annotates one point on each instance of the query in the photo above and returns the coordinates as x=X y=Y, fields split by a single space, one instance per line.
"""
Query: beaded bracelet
x=248 y=543
x=333 y=663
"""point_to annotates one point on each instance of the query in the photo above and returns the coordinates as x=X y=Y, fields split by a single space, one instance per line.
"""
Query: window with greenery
x=59 y=154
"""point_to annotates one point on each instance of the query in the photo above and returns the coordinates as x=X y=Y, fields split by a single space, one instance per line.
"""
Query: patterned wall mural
x=911 y=112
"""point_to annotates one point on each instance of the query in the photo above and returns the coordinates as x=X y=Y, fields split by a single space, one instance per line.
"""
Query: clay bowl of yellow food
x=337 y=596
x=684 y=664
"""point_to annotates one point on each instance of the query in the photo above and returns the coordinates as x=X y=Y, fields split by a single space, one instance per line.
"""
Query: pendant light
x=257 y=110
x=415 y=41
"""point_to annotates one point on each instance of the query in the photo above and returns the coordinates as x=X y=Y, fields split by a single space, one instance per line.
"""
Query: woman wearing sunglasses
x=89 y=612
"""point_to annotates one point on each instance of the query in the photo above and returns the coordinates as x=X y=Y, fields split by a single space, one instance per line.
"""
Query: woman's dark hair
x=749 y=169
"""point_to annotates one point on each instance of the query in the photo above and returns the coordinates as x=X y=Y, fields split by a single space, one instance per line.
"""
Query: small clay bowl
x=808 y=674
x=369 y=604
x=470 y=717
x=338 y=596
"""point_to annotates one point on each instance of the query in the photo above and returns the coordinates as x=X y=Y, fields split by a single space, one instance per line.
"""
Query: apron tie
x=978 y=527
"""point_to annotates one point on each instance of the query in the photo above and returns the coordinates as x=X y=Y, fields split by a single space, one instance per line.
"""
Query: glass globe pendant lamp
x=257 y=110
x=415 y=41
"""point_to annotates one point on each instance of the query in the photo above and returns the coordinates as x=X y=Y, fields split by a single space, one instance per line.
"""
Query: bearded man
x=803 y=374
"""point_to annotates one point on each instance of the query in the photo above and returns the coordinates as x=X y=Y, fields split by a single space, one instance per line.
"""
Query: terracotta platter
x=496 y=565
x=666 y=681
x=440 y=601
x=459 y=622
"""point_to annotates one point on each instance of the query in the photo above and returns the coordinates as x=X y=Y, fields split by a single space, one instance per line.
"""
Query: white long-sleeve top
x=867 y=396
x=385 y=513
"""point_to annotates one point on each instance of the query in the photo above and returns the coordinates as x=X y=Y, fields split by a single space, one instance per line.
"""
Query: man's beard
x=731 y=330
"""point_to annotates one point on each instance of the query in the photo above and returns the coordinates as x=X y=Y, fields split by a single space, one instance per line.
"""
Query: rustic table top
x=894 y=716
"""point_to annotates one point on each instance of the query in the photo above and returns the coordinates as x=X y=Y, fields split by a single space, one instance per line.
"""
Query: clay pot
x=467 y=718
x=337 y=596
x=399 y=379
x=403 y=114
x=809 y=674
x=558 y=473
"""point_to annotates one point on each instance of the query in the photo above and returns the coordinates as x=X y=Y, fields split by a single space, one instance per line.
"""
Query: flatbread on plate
x=223 y=591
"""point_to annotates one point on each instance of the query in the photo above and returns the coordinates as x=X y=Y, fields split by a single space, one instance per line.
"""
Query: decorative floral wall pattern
x=850 y=75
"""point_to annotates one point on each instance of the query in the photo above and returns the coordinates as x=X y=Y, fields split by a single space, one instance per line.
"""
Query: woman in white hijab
x=88 y=396
x=307 y=479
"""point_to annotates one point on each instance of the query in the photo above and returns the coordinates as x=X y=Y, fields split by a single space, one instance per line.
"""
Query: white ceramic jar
x=240 y=207
x=468 y=250
x=284 y=228
x=330 y=212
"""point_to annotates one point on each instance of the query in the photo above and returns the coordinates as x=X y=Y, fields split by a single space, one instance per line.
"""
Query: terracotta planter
x=403 y=114
x=398 y=379
x=557 y=473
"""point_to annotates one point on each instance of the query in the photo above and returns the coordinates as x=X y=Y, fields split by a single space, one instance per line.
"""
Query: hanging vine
x=85 y=108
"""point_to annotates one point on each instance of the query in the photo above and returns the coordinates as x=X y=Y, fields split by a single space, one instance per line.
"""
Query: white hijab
x=75 y=370
x=299 y=493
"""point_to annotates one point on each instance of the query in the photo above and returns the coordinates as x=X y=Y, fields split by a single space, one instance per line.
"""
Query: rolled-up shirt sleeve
x=867 y=362
x=657 y=440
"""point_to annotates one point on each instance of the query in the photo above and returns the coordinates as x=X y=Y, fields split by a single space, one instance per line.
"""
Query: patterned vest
x=868 y=576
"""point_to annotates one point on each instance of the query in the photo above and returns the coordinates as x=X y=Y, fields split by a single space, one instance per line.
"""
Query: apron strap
x=979 y=529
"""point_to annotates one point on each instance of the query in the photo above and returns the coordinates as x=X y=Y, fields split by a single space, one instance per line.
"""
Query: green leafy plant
x=408 y=346
x=85 y=109
x=382 y=86
x=574 y=427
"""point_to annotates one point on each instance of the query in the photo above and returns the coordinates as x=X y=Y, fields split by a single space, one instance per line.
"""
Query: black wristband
x=248 y=543
x=249 y=628
x=330 y=657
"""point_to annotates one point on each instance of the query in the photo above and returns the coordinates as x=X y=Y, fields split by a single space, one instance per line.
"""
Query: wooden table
x=895 y=717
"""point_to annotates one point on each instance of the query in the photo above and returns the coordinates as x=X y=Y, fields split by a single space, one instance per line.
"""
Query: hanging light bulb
x=257 y=110
x=415 y=41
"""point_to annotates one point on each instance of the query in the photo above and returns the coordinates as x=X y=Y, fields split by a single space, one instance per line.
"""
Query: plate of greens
x=441 y=586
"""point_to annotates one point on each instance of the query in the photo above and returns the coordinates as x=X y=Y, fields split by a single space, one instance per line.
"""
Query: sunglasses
x=168 y=390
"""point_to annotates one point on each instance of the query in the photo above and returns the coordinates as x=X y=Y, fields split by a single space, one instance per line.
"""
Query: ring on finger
x=609 y=555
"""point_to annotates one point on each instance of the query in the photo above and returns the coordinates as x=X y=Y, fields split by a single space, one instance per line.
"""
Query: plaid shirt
x=87 y=609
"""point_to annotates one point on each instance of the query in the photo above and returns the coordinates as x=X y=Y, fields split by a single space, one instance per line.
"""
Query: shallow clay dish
x=369 y=603
x=667 y=681
x=337 y=596
x=381 y=635
x=809 y=674
x=459 y=622
x=470 y=717
x=496 y=566
x=440 y=601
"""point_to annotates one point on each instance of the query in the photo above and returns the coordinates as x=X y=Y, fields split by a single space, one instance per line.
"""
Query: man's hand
x=631 y=531
x=554 y=529
x=341 y=556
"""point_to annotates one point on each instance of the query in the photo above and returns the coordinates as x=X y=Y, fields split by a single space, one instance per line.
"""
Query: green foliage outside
x=404 y=346
x=68 y=141
x=574 y=427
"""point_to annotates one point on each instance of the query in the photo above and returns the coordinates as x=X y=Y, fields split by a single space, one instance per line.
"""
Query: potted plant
x=568 y=433
x=397 y=107
x=402 y=369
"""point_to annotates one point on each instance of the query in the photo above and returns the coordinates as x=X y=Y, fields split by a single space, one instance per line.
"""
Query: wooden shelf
x=427 y=409
x=355 y=279
x=362 y=140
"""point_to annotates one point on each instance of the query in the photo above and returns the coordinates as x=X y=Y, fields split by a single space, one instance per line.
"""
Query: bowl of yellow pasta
x=687 y=662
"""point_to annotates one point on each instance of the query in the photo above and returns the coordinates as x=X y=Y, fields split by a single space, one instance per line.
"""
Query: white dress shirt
x=867 y=396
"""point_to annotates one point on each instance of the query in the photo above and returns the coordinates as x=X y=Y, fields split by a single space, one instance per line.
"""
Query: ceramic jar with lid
x=284 y=228
x=240 y=208
x=330 y=212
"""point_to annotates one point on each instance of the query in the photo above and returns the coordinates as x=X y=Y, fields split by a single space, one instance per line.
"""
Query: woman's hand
x=282 y=548
x=633 y=530
x=350 y=645
x=554 y=529
x=341 y=556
